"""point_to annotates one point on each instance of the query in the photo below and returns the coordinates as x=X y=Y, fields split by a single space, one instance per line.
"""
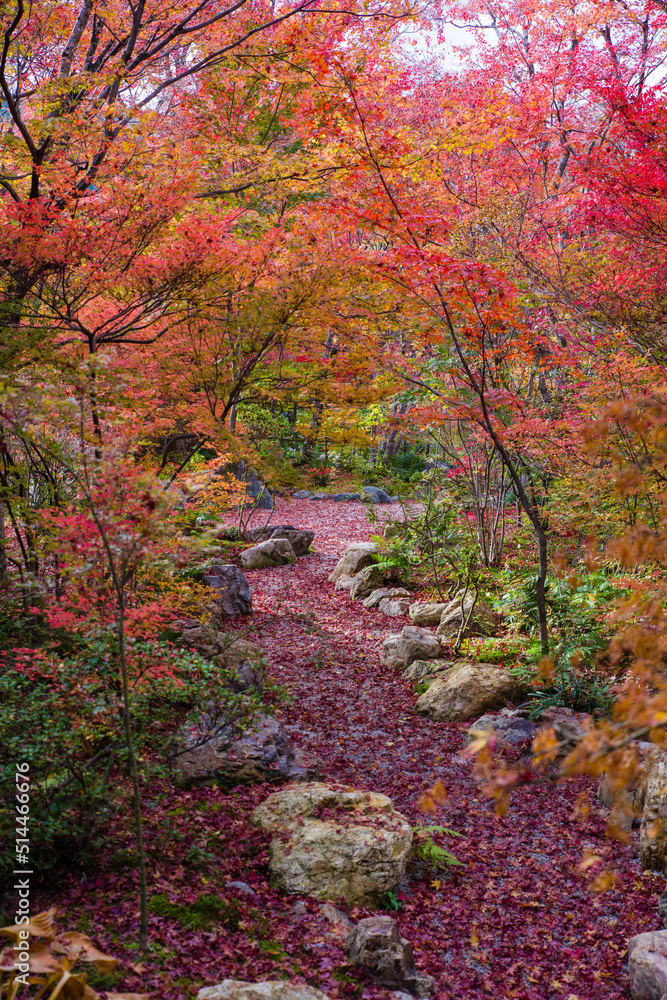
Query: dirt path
x=518 y=920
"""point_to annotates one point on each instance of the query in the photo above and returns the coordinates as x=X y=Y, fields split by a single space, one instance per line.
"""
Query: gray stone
x=320 y=496
x=344 y=582
x=339 y=497
x=273 y=552
x=366 y=581
x=420 y=669
x=647 y=965
x=507 y=727
x=394 y=607
x=400 y=650
x=376 y=945
x=302 y=495
x=262 y=753
x=393 y=593
x=299 y=539
x=390 y=656
x=417 y=644
x=340 y=920
x=482 y=621
x=356 y=556
x=232 y=592
x=236 y=989
x=377 y=495
x=376 y=596
x=241 y=887
x=358 y=850
x=466 y=691
x=426 y=612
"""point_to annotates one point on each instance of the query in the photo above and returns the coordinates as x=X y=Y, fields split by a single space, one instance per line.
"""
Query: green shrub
x=203 y=914
x=62 y=716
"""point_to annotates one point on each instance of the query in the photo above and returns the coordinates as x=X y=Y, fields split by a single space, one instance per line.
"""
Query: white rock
x=236 y=989
x=356 y=556
x=467 y=691
x=273 y=552
x=358 y=852
x=426 y=613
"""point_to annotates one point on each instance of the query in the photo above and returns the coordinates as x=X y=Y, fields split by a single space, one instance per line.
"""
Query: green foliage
x=582 y=691
x=407 y=466
x=496 y=649
x=576 y=610
x=204 y=913
x=425 y=847
x=105 y=981
x=390 y=901
x=62 y=716
x=430 y=544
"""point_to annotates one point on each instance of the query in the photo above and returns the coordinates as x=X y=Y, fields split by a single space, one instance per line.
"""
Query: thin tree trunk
x=136 y=796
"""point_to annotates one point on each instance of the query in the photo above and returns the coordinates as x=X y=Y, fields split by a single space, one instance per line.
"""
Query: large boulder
x=507 y=727
x=262 y=753
x=344 y=582
x=237 y=989
x=466 y=691
x=299 y=539
x=273 y=552
x=232 y=592
x=394 y=605
x=482 y=621
x=400 y=650
x=426 y=612
x=376 y=944
x=647 y=965
x=356 y=557
x=391 y=594
x=335 y=842
x=338 y=497
x=417 y=644
x=651 y=799
x=366 y=581
x=635 y=791
x=389 y=655
x=376 y=495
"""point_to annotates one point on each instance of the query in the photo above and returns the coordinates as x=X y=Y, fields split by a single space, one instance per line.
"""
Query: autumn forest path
x=519 y=919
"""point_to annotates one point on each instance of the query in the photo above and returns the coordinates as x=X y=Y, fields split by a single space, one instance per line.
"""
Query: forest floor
x=518 y=919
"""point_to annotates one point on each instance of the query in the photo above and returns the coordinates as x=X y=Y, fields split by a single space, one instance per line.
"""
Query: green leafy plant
x=426 y=848
x=582 y=691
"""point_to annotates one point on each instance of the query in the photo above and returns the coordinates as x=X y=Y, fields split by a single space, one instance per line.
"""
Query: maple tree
x=278 y=233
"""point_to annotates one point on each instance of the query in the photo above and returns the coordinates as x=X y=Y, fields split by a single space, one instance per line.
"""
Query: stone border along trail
x=519 y=920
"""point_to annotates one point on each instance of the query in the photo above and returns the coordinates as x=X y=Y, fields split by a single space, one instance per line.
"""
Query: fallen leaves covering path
x=518 y=920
